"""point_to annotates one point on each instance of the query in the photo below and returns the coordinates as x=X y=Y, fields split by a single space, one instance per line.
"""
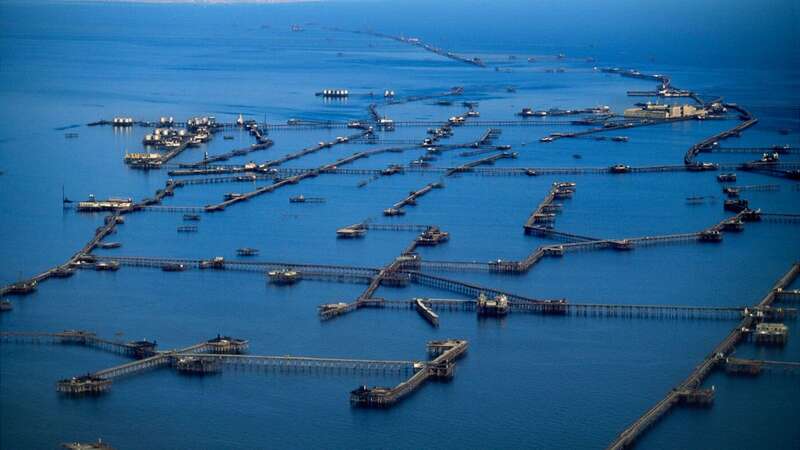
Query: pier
x=562 y=307
x=441 y=367
x=576 y=242
x=397 y=208
x=685 y=391
x=231 y=154
x=226 y=352
x=312 y=270
x=136 y=349
x=756 y=366
x=410 y=268
x=421 y=44
x=545 y=212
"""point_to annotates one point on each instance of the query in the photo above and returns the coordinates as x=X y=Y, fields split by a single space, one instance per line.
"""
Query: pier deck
x=692 y=383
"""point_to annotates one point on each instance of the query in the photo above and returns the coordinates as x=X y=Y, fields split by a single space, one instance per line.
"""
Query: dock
x=759 y=322
x=231 y=154
x=226 y=352
x=426 y=308
x=411 y=200
x=690 y=387
x=441 y=367
x=474 y=61
x=546 y=211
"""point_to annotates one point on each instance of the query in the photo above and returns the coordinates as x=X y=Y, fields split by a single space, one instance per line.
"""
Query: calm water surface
x=527 y=381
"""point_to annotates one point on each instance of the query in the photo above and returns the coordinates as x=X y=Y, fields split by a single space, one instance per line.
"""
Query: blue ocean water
x=527 y=381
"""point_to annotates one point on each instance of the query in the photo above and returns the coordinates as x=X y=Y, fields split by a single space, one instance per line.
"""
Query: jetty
x=222 y=352
x=689 y=391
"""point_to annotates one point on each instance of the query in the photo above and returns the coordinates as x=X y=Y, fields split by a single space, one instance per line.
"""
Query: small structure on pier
x=112 y=204
x=329 y=310
x=624 y=244
x=227 y=345
x=173 y=267
x=217 y=262
x=742 y=366
x=554 y=250
x=63 y=272
x=378 y=396
x=771 y=333
x=733 y=225
x=142 y=349
x=87 y=384
x=497 y=306
x=352 y=231
x=432 y=236
x=122 y=122
x=284 y=276
x=22 y=287
x=393 y=212
x=697 y=397
x=333 y=93
x=735 y=205
x=710 y=236
x=195 y=365
x=619 y=168
x=111 y=266
x=303 y=199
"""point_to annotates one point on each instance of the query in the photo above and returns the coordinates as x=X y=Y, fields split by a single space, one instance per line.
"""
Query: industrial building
x=659 y=111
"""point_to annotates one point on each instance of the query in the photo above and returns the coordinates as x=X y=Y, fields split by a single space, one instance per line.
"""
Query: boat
x=108 y=245
x=6 y=305
x=426 y=312
x=194 y=217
